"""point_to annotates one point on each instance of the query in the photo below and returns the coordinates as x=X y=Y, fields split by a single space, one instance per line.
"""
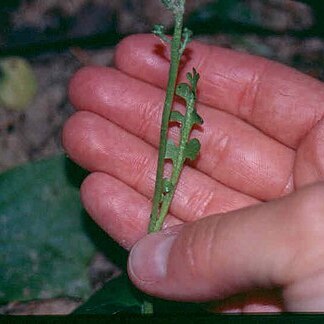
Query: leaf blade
x=44 y=249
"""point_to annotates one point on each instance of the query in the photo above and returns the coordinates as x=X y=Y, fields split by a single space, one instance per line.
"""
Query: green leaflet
x=196 y=119
x=159 y=30
x=184 y=91
x=172 y=151
x=176 y=116
x=190 y=151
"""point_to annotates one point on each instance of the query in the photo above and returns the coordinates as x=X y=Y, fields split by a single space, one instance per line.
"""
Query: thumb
x=309 y=165
x=274 y=244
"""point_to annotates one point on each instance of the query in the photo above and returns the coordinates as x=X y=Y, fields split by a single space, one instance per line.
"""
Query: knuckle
x=220 y=144
x=306 y=234
x=199 y=245
x=147 y=113
x=310 y=207
x=250 y=94
x=71 y=127
x=141 y=166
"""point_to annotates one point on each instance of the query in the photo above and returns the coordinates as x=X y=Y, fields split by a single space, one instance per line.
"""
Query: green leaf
x=184 y=91
x=192 y=149
x=187 y=34
x=172 y=151
x=176 y=116
x=196 y=119
x=120 y=296
x=159 y=30
x=117 y=295
x=193 y=78
x=44 y=249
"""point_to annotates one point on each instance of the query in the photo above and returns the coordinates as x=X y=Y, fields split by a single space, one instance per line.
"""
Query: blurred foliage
x=45 y=251
x=47 y=242
x=226 y=16
x=236 y=17
x=18 y=84
x=217 y=14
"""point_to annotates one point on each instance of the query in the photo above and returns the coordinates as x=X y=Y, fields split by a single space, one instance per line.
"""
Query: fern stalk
x=165 y=188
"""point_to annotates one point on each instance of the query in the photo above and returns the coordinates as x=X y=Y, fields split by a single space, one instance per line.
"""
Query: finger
x=309 y=167
x=275 y=244
x=256 y=301
x=280 y=101
x=232 y=152
x=99 y=145
x=118 y=209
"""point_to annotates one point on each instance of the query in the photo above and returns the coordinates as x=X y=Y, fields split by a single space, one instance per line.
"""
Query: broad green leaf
x=120 y=296
x=117 y=295
x=44 y=251
x=192 y=149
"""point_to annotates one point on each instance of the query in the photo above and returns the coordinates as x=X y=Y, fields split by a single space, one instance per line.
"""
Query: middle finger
x=233 y=152
x=99 y=145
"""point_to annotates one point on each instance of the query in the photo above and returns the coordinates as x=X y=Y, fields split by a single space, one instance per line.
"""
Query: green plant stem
x=177 y=165
x=176 y=45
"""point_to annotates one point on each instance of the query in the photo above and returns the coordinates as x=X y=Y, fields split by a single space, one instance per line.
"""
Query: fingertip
x=139 y=55
x=76 y=82
x=75 y=132
x=88 y=183
x=148 y=259
x=67 y=132
x=131 y=48
x=84 y=85
x=309 y=165
x=119 y=210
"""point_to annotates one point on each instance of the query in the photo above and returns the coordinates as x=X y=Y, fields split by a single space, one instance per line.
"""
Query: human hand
x=262 y=139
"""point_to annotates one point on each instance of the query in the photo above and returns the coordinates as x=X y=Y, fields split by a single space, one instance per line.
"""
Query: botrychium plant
x=187 y=148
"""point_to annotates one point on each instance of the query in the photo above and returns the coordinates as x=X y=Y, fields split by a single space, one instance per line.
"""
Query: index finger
x=282 y=102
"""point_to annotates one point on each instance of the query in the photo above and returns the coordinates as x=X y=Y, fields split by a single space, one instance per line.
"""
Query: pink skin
x=262 y=142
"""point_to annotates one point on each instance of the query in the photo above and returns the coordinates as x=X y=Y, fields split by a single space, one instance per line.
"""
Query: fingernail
x=149 y=257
